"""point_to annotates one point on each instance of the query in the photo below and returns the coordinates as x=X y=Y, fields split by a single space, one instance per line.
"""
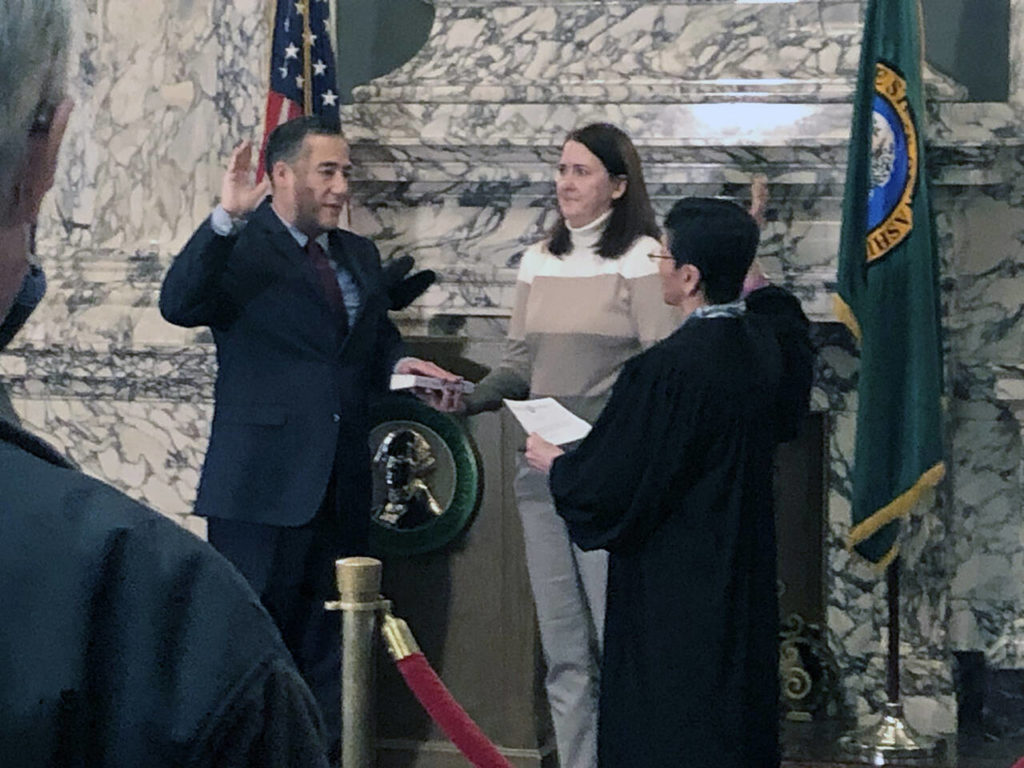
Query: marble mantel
x=711 y=92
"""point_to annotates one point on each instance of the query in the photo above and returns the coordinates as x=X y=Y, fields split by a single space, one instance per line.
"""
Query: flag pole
x=887 y=293
x=892 y=666
x=892 y=741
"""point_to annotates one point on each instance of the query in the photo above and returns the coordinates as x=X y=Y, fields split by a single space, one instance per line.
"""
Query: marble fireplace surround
x=454 y=154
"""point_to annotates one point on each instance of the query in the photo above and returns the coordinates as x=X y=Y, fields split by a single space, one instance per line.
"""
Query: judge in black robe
x=675 y=481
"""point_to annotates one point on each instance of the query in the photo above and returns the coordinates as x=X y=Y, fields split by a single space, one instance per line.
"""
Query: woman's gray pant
x=569 y=592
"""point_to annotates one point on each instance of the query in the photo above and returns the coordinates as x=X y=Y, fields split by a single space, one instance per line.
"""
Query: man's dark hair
x=632 y=214
x=716 y=236
x=285 y=142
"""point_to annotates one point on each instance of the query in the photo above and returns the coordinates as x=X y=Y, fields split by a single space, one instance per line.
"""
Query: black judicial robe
x=675 y=481
x=127 y=641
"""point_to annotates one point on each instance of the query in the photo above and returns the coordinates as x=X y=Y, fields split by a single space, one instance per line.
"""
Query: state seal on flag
x=894 y=163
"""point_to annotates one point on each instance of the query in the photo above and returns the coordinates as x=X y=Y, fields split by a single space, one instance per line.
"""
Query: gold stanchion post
x=359 y=580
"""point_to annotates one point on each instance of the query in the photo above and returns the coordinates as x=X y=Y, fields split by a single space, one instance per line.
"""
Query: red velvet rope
x=446 y=712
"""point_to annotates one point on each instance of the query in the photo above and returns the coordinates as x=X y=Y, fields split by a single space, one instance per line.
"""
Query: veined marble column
x=162 y=91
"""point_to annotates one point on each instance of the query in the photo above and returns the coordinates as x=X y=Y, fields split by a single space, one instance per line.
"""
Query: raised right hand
x=759 y=198
x=239 y=194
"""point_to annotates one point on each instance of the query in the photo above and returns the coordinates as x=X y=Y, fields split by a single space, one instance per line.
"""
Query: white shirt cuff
x=223 y=224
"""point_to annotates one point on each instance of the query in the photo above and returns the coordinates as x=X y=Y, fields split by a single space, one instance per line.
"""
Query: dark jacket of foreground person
x=127 y=641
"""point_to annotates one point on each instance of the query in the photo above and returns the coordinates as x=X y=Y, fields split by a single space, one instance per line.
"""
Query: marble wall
x=163 y=91
x=454 y=155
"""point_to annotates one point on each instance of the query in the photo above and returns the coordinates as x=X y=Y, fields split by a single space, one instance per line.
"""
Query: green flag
x=888 y=284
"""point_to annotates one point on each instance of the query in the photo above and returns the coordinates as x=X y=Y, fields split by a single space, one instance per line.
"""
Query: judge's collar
x=732 y=309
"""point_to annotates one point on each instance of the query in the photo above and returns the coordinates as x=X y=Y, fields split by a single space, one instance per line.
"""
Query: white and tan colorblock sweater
x=576 y=319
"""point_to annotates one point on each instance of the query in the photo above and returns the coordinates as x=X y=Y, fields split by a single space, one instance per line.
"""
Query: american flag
x=302 y=70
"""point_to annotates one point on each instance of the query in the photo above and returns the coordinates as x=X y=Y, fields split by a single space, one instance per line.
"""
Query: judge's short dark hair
x=716 y=236
x=285 y=142
x=632 y=214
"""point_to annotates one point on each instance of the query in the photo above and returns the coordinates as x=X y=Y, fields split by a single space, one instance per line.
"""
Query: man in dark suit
x=124 y=639
x=298 y=311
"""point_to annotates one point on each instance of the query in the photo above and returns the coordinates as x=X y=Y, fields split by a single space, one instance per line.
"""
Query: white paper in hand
x=549 y=419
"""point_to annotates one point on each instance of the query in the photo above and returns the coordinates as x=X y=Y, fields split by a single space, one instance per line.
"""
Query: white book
x=412 y=381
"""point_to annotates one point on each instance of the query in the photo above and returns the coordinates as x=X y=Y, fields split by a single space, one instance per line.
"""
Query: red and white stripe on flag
x=302 y=66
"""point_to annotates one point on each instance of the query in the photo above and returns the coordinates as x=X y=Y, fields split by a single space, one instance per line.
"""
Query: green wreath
x=456 y=479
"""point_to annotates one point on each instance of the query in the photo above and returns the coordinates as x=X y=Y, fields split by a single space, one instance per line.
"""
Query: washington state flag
x=887 y=279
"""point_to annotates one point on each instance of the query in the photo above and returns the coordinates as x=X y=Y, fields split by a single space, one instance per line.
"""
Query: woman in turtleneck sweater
x=587 y=299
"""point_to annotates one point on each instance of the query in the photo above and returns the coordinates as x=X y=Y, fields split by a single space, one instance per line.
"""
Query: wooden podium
x=470 y=608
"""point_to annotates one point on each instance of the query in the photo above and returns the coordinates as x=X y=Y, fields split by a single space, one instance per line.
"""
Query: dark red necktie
x=328 y=277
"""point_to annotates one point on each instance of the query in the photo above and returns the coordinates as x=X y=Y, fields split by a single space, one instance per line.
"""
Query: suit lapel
x=281 y=241
x=357 y=261
x=350 y=259
x=354 y=259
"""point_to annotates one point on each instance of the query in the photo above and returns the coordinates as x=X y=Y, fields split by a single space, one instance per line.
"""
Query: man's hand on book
x=448 y=399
